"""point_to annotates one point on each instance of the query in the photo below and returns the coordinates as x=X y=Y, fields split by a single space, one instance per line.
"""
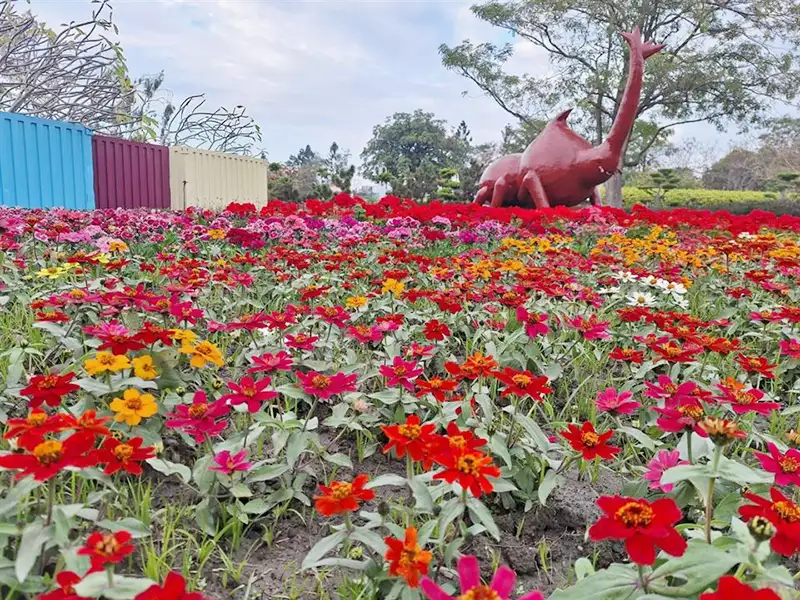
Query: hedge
x=698 y=197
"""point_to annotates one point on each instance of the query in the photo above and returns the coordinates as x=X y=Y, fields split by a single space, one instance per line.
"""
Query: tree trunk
x=614 y=191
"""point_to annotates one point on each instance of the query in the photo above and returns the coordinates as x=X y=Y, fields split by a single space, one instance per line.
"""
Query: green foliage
x=408 y=151
x=696 y=197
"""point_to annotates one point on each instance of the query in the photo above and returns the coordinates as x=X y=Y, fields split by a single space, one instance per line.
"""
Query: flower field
x=340 y=400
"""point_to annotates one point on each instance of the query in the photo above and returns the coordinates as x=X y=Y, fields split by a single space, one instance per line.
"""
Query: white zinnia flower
x=641 y=299
x=626 y=277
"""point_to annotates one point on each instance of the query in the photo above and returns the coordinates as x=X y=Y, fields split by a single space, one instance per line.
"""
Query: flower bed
x=399 y=401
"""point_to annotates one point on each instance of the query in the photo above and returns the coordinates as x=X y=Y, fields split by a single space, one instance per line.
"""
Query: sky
x=314 y=71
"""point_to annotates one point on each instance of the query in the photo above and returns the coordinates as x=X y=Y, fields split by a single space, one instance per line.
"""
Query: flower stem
x=642 y=578
x=689 y=446
x=711 y=485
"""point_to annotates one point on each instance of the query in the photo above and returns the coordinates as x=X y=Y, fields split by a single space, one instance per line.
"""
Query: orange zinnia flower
x=407 y=559
x=342 y=496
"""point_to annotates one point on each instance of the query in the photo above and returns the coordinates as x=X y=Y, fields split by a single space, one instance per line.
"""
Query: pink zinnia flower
x=617 y=404
x=666 y=389
x=401 y=372
x=324 y=386
x=268 y=362
x=365 y=334
x=183 y=312
x=665 y=459
x=534 y=322
x=252 y=393
x=591 y=328
x=791 y=348
x=301 y=341
x=335 y=315
x=744 y=400
x=786 y=467
x=228 y=463
x=469 y=575
x=200 y=418
x=419 y=351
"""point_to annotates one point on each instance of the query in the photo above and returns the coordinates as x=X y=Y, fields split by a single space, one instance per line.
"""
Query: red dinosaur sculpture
x=559 y=167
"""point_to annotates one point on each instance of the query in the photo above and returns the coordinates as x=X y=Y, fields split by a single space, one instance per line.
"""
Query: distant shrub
x=704 y=198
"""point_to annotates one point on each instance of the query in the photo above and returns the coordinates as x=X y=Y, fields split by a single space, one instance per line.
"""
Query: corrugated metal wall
x=45 y=163
x=213 y=179
x=129 y=174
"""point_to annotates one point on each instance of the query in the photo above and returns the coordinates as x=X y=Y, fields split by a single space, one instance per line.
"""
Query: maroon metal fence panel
x=130 y=174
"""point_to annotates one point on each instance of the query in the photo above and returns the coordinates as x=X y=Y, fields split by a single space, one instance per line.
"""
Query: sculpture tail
x=646 y=49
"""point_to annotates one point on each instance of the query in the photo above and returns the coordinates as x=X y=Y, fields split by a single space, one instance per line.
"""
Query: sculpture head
x=598 y=165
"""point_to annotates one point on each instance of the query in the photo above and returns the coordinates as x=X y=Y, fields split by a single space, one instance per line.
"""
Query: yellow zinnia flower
x=51 y=272
x=106 y=362
x=133 y=407
x=117 y=246
x=144 y=368
x=202 y=353
x=186 y=337
x=393 y=286
x=355 y=302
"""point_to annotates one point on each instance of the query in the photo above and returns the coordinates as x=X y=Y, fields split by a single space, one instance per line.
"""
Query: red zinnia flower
x=435 y=386
x=174 y=588
x=534 y=323
x=435 y=330
x=588 y=442
x=591 y=328
x=681 y=414
x=756 y=364
x=200 y=419
x=341 y=496
x=406 y=558
x=458 y=440
x=183 y=312
x=791 y=348
x=324 y=386
x=50 y=457
x=66 y=581
x=268 y=362
x=786 y=467
x=782 y=513
x=401 y=373
x=628 y=355
x=108 y=548
x=644 y=526
x=49 y=389
x=365 y=334
x=301 y=341
x=252 y=393
x=672 y=351
x=335 y=315
x=523 y=384
x=411 y=437
x=745 y=400
x=30 y=432
x=150 y=333
x=470 y=469
x=119 y=456
x=731 y=588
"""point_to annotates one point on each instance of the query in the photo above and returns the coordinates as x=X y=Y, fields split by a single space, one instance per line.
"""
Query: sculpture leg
x=594 y=199
x=535 y=190
x=483 y=194
x=500 y=191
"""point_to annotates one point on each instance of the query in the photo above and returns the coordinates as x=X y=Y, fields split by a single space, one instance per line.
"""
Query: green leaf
x=133 y=526
x=684 y=472
x=201 y=474
x=479 y=510
x=645 y=440
x=736 y=472
x=422 y=495
x=339 y=459
x=298 y=443
x=700 y=566
x=125 y=588
x=267 y=472
x=205 y=518
x=388 y=479
x=549 y=483
x=166 y=467
x=618 y=582
x=321 y=548
x=370 y=539
x=453 y=509
x=34 y=537
x=499 y=447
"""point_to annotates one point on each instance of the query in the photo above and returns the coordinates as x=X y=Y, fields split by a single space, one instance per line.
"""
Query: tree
x=661 y=182
x=448 y=184
x=725 y=61
x=408 y=151
x=740 y=169
x=478 y=159
x=77 y=73
x=337 y=170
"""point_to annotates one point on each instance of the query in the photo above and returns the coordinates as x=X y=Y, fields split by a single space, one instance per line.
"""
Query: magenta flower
x=786 y=467
x=617 y=404
x=401 y=372
x=301 y=341
x=268 y=362
x=666 y=389
x=228 y=463
x=418 y=351
x=334 y=315
x=200 y=419
x=665 y=459
x=324 y=386
x=469 y=575
x=534 y=322
x=252 y=393
x=365 y=334
x=591 y=328
x=791 y=348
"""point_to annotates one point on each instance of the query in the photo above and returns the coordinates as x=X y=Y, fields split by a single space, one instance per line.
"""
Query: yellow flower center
x=107 y=360
x=590 y=439
x=198 y=411
x=48 y=382
x=108 y=546
x=521 y=380
x=469 y=464
x=249 y=391
x=745 y=397
x=635 y=514
x=36 y=419
x=399 y=371
x=481 y=592
x=135 y=403
x=320 y=382
x=691 y=410
x=123 y=452
x=341 y=490
x=48 y=452
x=77 y=294
x=788 y=511
x=411 y=432
x=671 y=350
x=457 y=441
x=789 y=464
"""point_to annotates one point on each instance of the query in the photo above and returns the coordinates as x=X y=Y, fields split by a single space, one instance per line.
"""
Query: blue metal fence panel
x=45 y=164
